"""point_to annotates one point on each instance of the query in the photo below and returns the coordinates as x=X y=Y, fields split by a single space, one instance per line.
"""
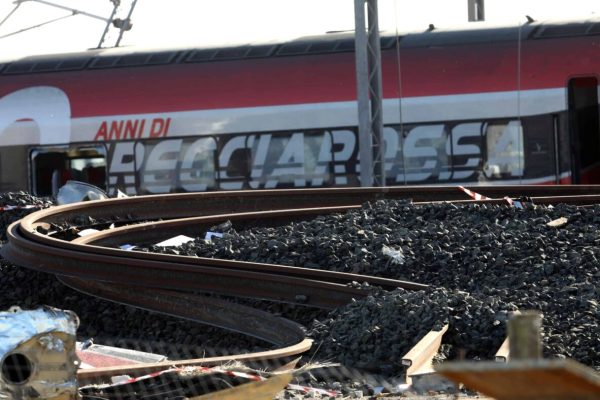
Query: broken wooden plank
x=419 y=358
x=526 y=379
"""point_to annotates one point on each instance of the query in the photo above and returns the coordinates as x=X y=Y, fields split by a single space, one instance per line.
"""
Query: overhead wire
x=10 y=14
x=37 y=25
x=73 y=13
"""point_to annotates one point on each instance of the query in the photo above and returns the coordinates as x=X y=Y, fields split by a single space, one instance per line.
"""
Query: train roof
x=333 y=42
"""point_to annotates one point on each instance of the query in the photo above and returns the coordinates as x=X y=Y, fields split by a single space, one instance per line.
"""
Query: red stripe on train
x=458 y=69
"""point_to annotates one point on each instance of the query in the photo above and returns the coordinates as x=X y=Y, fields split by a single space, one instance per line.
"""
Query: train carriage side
x=473 y=106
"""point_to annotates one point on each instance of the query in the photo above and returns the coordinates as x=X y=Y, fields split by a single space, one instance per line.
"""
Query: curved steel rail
x=89 y=266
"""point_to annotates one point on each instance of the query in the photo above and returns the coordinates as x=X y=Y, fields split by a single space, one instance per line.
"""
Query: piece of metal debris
x=37 y=349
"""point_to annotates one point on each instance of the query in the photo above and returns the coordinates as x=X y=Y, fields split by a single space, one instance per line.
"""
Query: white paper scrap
x=86 y=232
x=557 y=223
x=396 y=256
x=175 y=241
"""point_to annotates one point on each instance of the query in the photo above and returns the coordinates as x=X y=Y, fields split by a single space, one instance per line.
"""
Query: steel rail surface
x=209 y=203
x=111 y=265
x=155 y=231
x=257 y=323
x=78 y=263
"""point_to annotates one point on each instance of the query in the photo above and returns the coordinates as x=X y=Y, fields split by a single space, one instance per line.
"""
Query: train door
x=584 y=121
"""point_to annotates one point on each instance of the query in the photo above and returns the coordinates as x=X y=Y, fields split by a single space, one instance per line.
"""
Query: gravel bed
x=106 y=322
x=504 y=258
x=18 y=200
x=481 y=261
x=119 y=325
x=374 y=333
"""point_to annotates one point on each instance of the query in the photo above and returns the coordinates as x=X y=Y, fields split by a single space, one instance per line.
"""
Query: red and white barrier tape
x=251 y=377
x=473 y=194
x=477 y=196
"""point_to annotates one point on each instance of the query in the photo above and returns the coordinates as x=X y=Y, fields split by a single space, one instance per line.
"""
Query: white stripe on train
x=477 y=106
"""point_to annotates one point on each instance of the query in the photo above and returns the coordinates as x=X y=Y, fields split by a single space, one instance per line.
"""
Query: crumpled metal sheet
x=17 y=326
x=75 y=191
x=40 y=346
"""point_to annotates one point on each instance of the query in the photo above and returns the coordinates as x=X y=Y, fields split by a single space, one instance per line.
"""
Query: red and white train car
x=478 y=105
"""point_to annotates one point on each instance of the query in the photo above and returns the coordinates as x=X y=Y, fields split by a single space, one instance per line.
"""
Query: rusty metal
x=419 y=358
x=84 y=262
x=223 y=314
x=210 y=203
x=118 y=266
x=37 y=354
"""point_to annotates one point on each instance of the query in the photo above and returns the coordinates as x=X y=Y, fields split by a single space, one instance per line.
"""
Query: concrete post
x=524 y=335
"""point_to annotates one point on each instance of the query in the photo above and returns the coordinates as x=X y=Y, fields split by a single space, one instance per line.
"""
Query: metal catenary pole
x=369 y=94
x=362 y=86
x=376 y=91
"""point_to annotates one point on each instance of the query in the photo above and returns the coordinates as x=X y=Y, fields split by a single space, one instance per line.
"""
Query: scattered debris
x=396 y=256
x=208 y=383
x=88 y=231
x=75 y=191
x=557 y=223
x=97 y=356
x=37 y=349
x=175 y=241
x=210 y=235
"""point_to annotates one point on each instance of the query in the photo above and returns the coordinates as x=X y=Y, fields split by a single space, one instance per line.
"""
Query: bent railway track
x=46 y=241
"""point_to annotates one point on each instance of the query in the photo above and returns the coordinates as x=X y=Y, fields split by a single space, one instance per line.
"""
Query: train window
x=261 y=51
x=132 y=60
x=563 y=30
x=290 y=160
x=293 y=48
x=345 y=45
x=197 y=165
x=19 y=67
x=201 y=55
x=53 y=167
x=44 y=66
x=232 y=53
x=177 y=165
x=73 y=64
x=425 y=156
x=505 y=150
x=157 y=172
x=164 y=57
x=318 y=159
x=104 y=62
x=322 y=47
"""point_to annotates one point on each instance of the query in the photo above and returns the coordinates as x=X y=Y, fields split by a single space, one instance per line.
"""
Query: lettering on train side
x=129 y=129
x=428 y=153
